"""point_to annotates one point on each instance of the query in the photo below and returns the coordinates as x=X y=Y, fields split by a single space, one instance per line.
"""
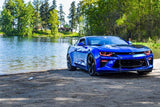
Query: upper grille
x=128 y=53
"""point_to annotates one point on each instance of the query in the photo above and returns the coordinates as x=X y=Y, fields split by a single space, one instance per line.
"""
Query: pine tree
x=44 y=13
x=54 y=5
x=27 y=27
x=37 y=18
x=72 y=16
x=6 y=22
x=79 y=18
x=61 y=15
x=7 y=17
x=19 y=14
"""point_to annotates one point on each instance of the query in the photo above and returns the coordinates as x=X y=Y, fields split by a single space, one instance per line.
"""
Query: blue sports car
x=109 y=54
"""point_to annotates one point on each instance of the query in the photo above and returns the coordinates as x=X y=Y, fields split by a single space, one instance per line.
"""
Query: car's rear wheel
x=69 y=64
x=143 y=72
x=91 y=65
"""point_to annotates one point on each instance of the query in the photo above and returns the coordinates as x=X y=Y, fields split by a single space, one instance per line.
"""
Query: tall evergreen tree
x=37 y=18
x=27 y=27
x=6 y=22
x=7 y=17
x=79 y=18
x=72 y=16
x=54 y=5
x=44 y=13
x=20 y=7
x=61 y=15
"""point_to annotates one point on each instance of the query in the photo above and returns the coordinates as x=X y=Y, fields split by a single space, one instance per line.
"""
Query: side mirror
x=80 y=44
x=129 y=43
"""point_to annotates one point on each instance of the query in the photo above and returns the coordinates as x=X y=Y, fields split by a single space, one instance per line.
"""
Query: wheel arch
x=96 y=56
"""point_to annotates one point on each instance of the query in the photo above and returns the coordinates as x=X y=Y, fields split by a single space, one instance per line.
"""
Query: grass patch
x=149 y=44
x=48 y=34
x=68 y=34
x=1 y=33
x=42 y=33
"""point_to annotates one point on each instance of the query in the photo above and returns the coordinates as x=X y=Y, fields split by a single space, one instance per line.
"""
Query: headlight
x=106 y=53
x=147 y=52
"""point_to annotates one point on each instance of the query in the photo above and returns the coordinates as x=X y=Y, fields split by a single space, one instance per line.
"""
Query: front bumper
x=125 y=63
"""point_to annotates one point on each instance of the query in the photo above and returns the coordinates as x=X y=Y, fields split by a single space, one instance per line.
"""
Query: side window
x=82 y=41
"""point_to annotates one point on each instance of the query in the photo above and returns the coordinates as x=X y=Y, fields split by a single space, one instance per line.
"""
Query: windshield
x=99 y=41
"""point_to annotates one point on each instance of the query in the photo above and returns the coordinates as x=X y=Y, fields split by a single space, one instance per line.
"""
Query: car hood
x=123 y=48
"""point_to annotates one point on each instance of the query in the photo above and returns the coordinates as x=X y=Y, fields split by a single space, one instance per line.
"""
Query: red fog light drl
x=149 y=58
x=104 y=60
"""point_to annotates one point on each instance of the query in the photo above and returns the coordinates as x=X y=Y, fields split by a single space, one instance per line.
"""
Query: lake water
x=18 y=55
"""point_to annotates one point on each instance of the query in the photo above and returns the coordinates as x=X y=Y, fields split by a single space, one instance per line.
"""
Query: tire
x=69 y=64
x=91 y=65
x=143 y=72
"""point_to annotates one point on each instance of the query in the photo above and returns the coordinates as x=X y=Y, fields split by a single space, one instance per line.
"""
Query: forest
x=135 y=19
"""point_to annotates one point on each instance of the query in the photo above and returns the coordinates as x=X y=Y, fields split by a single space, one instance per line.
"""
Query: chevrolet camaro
x=109 y=54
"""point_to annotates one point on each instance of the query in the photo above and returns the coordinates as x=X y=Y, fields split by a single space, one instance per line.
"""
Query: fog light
x=149 y=58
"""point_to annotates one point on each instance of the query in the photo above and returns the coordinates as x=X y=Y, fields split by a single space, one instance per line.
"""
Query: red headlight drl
x=147 y=52
x=105 y=53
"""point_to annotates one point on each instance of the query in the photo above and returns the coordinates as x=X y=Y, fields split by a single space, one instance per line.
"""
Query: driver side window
x=82 y=41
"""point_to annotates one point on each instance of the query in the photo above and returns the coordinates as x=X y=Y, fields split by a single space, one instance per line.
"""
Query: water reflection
x=19 y=54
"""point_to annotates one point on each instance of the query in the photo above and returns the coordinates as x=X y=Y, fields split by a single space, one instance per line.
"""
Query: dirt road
x=63 y=88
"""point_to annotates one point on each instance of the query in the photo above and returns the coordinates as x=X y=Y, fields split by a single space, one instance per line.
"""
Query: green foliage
x=7 y=20
x=17 y=18
x=53 y=21
x=137 y=19
x=68 y=34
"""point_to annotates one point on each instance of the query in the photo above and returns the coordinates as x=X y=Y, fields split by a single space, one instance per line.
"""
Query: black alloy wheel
x=91 y=65
x=69 y=64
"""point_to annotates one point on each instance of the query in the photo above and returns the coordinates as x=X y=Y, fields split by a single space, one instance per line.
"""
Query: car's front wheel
x=143 y=72
x=91 y=65
x=69 y=64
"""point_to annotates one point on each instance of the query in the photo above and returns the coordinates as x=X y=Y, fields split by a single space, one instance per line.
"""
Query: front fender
x=95 y=53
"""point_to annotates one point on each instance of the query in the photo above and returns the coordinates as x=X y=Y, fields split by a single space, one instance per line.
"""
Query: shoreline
x=156 y=63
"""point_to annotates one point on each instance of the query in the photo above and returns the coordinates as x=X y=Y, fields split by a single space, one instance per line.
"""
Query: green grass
x=149 y=44
x=1 y=32
x=42 y=33
x=48 y=34
x=68 y=34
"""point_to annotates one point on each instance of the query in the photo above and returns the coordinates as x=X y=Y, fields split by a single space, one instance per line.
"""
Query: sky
x=66 y=5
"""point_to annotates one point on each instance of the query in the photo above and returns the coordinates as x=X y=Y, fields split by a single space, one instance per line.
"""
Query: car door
x=82 y=51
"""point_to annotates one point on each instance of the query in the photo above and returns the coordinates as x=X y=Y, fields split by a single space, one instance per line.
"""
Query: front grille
x=130 y=63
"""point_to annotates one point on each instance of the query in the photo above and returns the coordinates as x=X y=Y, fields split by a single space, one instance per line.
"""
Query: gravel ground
x=63 y=88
